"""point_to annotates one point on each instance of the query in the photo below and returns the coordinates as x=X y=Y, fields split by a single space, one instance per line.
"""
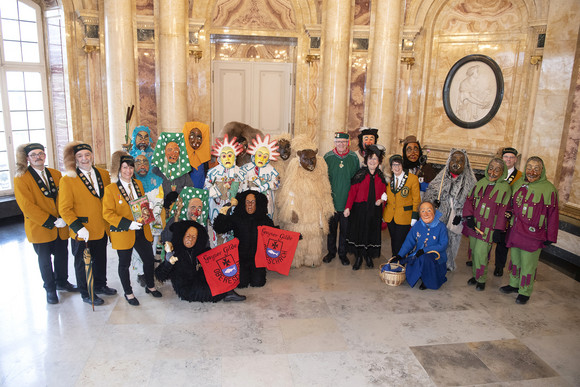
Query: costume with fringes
x=487 y=204
x=281 y=166
x=453 y=189
x=186 y=275
x=245 y=228
x=308 y=195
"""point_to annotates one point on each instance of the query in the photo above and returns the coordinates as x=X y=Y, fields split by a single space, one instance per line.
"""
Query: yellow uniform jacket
x=403 y=204
x=80 y=206
x=39 y=205
x=117 y=213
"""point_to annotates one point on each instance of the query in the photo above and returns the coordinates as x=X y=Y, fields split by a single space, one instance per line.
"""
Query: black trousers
x=398 y=234
x=501 y=252
x=143 y=247
x=59 y=249
x=333 y=223
x=98 y=249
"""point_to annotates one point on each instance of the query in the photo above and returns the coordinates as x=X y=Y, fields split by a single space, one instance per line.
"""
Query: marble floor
x=329 y=326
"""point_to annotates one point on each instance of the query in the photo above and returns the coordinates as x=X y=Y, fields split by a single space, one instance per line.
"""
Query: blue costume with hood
x=426 y=237
x=134 y=151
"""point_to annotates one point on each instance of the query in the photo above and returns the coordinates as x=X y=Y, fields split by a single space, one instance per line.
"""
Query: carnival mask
x=194 y=208
x=228 y=157
x=284 y=149
x=172 y=152
x=195 y=138
x=494 y=170
x=457 y=163
x=141 y=166
x=412 y=151
x=142 y=140
x=307 y=159
x=368 y=139
x=262 y=157
x=533 y=171
x=251 y=204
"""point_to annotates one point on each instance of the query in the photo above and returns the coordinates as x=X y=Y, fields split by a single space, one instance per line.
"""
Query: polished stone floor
x=328 y=326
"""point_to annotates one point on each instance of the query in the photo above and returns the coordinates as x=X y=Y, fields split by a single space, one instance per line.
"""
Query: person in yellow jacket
x=36 y=191
x=80 y=196
x=127 y=234
x=403 y=199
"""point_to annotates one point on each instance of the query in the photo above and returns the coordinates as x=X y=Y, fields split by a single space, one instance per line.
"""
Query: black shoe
x=328 y=258
x=344 y=260
x=132 y=301
x=141 y=280
x=155 y=293
x=521 y=299
x=471 y=281
x=233 y=296
x=369 y=262
x=480 y=286
x=498 y=272
x=107 y=291
x=422 y=286
x=96 y=301
x=357 y=263
x=508 y=289
x=469 y=263
x=67 y=286
x=51 y=297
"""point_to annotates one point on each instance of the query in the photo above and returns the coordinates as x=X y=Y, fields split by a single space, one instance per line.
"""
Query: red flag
x=276 y=249
x=221 y=267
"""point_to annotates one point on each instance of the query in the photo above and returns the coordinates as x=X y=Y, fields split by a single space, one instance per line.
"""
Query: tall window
x=23 y=87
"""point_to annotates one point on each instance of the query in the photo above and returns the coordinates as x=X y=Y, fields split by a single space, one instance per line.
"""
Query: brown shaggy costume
x=307 y=195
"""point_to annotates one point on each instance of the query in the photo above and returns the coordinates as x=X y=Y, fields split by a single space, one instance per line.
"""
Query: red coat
x=359 y=192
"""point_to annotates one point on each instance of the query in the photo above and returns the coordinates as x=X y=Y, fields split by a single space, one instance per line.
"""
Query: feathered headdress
x=226 y=143
x=258 y=143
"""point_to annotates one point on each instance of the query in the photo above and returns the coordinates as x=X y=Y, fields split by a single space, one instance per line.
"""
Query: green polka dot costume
x=188 y=193
x=178 y=169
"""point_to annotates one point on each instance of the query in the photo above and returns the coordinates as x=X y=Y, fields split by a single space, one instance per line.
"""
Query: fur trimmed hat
x=69 y=152
x=118 y=158
x=22 y=156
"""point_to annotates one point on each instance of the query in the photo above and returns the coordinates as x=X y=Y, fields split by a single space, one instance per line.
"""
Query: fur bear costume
x=454 y=191
x=305 y=204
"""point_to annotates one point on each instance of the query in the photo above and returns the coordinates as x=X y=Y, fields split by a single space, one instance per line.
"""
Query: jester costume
x=534 y=224
x=485 y=209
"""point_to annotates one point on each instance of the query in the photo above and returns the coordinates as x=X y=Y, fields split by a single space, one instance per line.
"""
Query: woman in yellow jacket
x=403 y=199
x=126 y=234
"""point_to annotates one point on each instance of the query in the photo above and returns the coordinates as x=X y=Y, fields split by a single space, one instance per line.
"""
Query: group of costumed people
x=342 y=201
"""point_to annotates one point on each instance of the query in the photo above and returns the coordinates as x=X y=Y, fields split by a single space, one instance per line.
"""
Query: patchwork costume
x=486 y=208
x=534 y=224
x=454 y=191
x=422 y=262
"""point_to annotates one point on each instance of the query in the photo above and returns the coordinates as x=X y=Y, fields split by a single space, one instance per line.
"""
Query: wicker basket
x=393 y=278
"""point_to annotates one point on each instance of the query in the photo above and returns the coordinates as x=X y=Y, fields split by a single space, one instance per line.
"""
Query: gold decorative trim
x=312 y=58
x=536 y=59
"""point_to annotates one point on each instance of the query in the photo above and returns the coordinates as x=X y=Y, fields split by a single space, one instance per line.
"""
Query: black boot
x=357 y=262
x=369 y=261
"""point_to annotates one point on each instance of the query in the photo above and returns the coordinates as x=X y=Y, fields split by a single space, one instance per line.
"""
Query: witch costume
x=423 y=263
x=186 y=274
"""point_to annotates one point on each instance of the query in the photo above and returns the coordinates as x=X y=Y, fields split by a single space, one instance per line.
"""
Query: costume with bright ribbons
x=487 y=204
x=429 y=267
x=535 y=221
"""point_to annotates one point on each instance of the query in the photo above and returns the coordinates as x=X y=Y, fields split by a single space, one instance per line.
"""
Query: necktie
x=44 y=178
x=90 y=176
x=396 y=182
x=131 y=196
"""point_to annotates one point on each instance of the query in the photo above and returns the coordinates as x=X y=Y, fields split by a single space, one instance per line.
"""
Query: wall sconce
x=196 y=53
x=408 y=60
x=312 y=58
x=407 y=45
x=536 y=59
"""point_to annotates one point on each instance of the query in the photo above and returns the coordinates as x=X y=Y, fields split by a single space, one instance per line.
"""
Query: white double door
x=255 y=93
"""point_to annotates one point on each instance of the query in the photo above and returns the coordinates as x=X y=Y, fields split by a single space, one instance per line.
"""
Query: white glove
x=413 y=221
x=59 y=223
x=135 y=226
x=83 y=234
x=384 y=197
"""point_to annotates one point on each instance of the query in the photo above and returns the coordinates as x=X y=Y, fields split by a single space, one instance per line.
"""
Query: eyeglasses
x=36 y=155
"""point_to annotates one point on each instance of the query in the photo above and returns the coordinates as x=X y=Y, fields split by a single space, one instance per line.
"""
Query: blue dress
x=429 y=237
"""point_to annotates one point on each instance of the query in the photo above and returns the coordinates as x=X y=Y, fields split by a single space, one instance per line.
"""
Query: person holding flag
x=190 y=239
x=251 y=212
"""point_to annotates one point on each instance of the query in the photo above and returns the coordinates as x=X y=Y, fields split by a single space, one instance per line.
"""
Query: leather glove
x=437 y=203
x=59 y=223
x=419 y=253
x=413 y=221
x=548 y=243
x=456 y=220
x=470 y=222
x=135 y=226
x=83 y=234
x=498 y=236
